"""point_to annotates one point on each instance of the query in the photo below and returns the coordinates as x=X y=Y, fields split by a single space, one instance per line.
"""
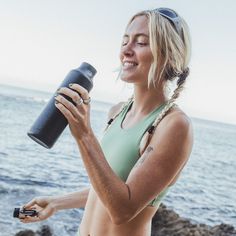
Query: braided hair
x=170 y=104
x=171 y=54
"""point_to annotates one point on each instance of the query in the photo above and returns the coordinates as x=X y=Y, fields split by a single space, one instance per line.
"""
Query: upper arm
x=167 y=152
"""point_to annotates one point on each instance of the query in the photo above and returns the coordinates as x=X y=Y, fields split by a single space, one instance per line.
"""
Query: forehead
x=139 y=25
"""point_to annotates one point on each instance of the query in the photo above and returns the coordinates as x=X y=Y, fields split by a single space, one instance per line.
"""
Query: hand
x=44 y=207
x=78 y=115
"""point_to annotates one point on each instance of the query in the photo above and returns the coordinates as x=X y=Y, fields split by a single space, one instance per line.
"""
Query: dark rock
x=26 y=233
x=168 y=223
x=43 y=231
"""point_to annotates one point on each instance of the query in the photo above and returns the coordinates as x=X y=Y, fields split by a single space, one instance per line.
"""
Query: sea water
x=205 y=191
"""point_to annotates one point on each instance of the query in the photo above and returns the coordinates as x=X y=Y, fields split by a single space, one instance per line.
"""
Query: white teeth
x=128 y=64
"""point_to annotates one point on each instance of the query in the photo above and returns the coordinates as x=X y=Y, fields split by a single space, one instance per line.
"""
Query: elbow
x=120 y=220
x=122 y=211
x=121 y=217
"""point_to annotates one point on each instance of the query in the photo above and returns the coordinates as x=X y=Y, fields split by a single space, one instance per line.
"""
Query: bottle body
x=51 y=122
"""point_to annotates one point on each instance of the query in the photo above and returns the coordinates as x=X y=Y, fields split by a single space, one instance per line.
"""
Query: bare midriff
x=96 y=220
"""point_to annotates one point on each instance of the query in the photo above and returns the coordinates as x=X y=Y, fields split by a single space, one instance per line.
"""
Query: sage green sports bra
x=121 y=146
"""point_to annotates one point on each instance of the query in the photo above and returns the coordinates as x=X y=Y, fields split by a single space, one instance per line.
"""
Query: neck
x=146 y=100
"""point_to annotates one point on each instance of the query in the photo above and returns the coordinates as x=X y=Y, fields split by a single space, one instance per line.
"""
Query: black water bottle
x=51 y=122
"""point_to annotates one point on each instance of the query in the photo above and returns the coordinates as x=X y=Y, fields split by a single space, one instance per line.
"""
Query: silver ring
x=87 y=101
x=79 y=102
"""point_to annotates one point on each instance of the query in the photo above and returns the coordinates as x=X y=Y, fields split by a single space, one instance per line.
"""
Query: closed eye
x=142 y=44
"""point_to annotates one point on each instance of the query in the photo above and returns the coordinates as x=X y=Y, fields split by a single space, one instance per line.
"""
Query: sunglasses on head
x=172 y=16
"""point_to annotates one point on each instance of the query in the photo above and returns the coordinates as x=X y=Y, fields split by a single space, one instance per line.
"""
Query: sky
x=42 y=40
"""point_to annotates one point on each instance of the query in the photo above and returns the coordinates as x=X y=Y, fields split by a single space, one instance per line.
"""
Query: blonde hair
x=171 y=52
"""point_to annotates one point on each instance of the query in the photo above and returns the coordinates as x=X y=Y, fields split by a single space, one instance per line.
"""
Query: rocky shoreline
x=165 y=223
x=168 y=223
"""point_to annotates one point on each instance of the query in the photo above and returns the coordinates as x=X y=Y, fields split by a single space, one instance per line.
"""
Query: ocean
x=205 y=191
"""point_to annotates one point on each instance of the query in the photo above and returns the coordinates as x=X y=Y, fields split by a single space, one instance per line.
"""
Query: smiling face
x=135 y=55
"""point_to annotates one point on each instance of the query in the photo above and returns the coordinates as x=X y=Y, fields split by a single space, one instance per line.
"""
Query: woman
x=148 y=139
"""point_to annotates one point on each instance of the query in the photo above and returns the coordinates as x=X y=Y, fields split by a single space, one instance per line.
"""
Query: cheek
x=147 y=59
x=146 y=55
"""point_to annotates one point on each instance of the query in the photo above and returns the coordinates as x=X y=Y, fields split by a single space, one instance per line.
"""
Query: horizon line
x=102 y=101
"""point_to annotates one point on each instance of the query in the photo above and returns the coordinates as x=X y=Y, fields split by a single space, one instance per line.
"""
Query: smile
x=129 y=64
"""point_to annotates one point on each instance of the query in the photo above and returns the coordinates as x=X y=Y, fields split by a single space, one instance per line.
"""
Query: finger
x=68 y=115
x=70 y=93
x=81 y=90
x=37 y=208
x=68 y=105
x=30 y=204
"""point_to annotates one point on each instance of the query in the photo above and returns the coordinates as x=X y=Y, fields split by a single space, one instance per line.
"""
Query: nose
x=127 y=50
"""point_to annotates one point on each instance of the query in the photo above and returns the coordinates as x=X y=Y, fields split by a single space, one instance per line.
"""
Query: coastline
x=206 y=200
x=167 y=222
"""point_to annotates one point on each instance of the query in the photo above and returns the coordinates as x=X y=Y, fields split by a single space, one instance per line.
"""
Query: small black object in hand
x=21 y=213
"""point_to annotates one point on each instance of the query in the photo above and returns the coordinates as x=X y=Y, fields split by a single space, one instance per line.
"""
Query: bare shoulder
x=114 y=110
x=176 y=119
x=175 y=129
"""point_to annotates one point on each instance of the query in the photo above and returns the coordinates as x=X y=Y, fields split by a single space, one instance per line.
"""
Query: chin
x=127 y=79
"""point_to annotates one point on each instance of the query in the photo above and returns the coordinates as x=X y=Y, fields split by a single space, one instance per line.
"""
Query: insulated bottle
x=51 y=122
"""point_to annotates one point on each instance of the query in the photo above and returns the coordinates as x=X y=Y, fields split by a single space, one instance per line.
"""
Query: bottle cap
x=87 y=70
x=16 y=212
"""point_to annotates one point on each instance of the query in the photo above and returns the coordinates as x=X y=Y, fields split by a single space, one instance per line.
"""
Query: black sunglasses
x=172 y=16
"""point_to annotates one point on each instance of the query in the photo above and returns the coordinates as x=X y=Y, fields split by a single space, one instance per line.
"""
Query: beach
x=205 y=192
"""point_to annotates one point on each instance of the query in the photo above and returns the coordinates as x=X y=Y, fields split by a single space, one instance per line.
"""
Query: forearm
x=71 y=200
x=111 y=190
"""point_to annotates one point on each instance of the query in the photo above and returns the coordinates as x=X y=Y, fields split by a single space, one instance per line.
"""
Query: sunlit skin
x=112 y=206
x=135 y=48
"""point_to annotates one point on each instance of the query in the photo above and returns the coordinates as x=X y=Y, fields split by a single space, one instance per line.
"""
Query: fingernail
x=55 y=95
x=58 y=89
x=56 y=102
x=70 y=85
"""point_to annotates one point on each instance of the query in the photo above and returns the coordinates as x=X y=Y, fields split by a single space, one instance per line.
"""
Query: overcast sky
x=42 y=40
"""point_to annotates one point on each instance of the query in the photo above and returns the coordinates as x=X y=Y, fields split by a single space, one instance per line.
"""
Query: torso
x=96 y=221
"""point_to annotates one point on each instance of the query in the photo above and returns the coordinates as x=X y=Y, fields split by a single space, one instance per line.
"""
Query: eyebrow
x=137 y=35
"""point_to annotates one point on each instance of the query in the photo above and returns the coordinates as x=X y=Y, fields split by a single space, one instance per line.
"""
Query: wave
x=18 y=182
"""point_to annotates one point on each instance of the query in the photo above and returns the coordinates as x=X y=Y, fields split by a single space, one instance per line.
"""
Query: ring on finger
x=87 y=101
x=79 y=102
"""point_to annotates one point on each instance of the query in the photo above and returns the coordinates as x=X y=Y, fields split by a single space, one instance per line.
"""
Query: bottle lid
x=16 y=212
x=87 y=70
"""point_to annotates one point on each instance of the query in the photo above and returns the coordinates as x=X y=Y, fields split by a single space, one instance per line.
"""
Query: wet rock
x=168 y=223
x=26 y=233
x=43 y=231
